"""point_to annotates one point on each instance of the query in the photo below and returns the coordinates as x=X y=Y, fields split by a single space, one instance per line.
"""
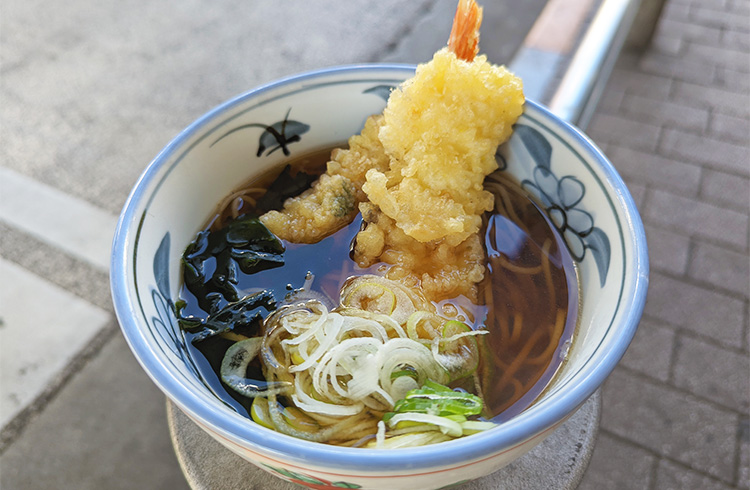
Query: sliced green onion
x=474 y=426
x=444 y=424
x=259 y=413
x=457 y=351
x=234 y=368
x=437 y=399
x=412 y=439
x=370 y=296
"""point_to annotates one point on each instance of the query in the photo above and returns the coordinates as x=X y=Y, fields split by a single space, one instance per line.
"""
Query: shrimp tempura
x=441 y=131
x=425 y=159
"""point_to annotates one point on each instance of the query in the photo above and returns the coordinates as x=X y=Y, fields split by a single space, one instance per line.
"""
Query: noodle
x=520 y=359
x=551 y=346
x=517 y=325
x=518 y=270
x=233 y=205
x=547 y=274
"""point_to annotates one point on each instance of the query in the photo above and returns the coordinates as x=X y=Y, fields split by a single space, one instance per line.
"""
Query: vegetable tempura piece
x=332 y=202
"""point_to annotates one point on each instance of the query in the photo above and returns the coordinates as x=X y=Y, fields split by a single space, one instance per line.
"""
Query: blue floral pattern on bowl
x=561 y=197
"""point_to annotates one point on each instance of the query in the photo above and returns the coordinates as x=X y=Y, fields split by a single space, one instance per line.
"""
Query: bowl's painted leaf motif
x=502 y=163
x=278 y=135
x=536 y=144
x=281 y=134
x=165 y=322
x=161 y=270
x=598 y=243
x=562 y=199
x=382 y=91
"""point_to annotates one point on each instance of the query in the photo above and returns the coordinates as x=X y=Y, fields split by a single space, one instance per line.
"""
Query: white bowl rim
x=535 y=420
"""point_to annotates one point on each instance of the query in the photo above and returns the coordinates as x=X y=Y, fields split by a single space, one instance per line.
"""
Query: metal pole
x=580 y=89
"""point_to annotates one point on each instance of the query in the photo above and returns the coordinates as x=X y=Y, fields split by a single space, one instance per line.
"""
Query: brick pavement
x=675 y=121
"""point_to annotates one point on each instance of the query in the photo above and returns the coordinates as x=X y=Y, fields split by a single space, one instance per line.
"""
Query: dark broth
x=531 y=296
x=532 y=293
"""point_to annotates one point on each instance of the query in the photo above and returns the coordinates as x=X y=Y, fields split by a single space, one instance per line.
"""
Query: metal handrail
x=582 y=84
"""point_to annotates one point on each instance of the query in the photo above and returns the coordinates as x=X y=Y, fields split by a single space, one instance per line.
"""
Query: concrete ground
x=90 y=92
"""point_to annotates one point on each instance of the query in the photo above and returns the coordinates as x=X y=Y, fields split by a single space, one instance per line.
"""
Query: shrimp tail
x=464 y=38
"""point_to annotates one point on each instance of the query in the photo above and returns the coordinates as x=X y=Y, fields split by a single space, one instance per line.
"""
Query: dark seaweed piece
x=242 y=317
x=285 y=186
x=244 y=243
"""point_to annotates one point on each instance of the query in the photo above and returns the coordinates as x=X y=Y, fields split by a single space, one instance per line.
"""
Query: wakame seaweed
x=243 y=245
x=241 y=317
x=285 y=186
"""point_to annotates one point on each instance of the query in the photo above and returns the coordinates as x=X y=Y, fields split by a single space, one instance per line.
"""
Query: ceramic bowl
x=574 y=181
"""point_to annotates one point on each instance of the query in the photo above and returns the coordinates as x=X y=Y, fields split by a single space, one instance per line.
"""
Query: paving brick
x=719 y=55
x=718 y=18
x=713 y=153
x=701 y=310
x=44 y=328
x=722 y=268
x=710 y=4
x=631 y=81
x=739 y=7
x=56 y=267
x=712 y=373
x=689 y=31
x=611 y=101
x=670 y=476
x=732 y=80
x=676 y=11
x=726 y=101
x=726 y=190
x=743 y=435
x=673 y=67
x=666 y=44
x=737 y=39
x=649 y=168
x=650 y=352
x=638 y=191
x=693 y=217
x=606 y=469
x=660 y=112
x=668 y=251
x=671 y=423
x=106 y=430
x=611 y=128
x=730 y=128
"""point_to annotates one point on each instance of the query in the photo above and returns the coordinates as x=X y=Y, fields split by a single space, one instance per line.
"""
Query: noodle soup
x=527 y=302
x=185 y=182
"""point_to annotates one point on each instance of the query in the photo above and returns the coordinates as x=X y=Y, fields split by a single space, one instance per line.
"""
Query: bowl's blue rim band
x=287 y=448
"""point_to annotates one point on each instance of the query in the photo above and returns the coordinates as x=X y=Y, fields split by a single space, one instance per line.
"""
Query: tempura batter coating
x=441 y=131
x=331 y=203
x=442 y=270
x=365 y=152
x=316 y=213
